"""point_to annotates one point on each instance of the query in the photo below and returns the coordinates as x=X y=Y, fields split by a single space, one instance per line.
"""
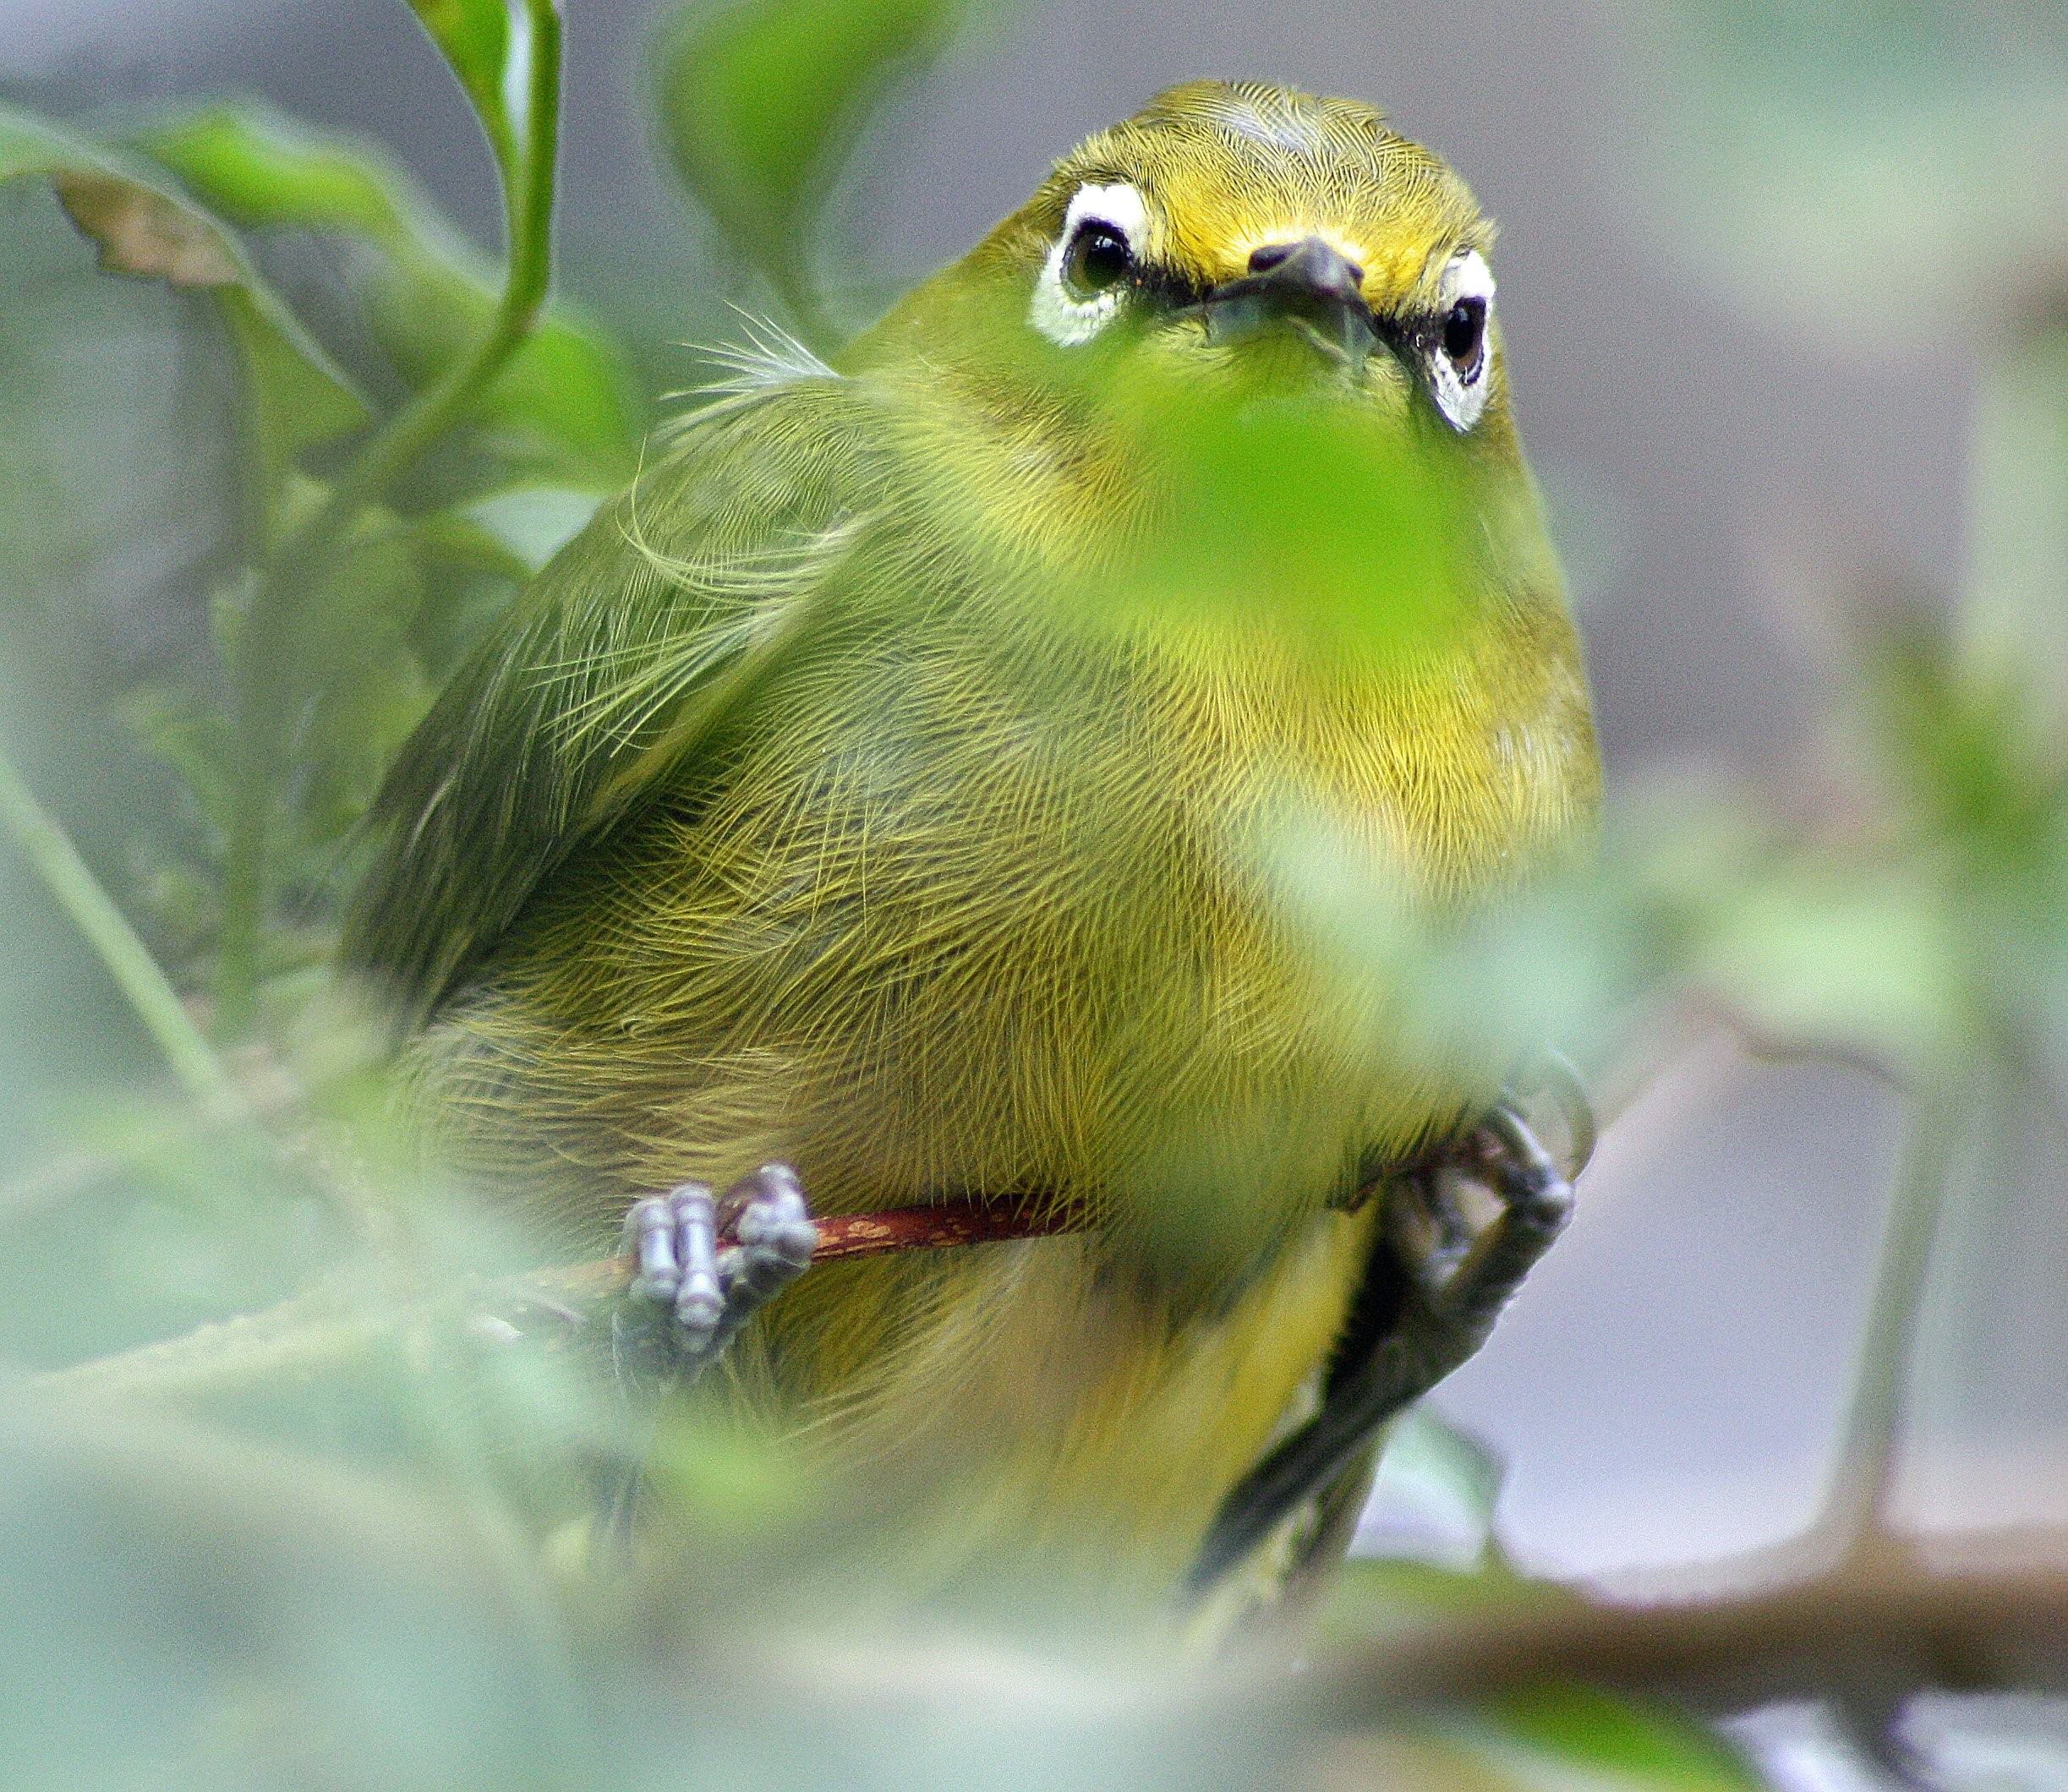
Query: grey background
x=1697 y=457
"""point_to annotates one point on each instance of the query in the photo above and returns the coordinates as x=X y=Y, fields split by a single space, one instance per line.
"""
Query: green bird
x=946 y=772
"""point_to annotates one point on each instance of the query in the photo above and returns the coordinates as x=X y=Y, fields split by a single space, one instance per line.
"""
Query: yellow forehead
x=1225 y=169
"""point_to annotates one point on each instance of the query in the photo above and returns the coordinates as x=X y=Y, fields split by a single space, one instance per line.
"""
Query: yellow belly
x=1031 y=1415
x=997 y=953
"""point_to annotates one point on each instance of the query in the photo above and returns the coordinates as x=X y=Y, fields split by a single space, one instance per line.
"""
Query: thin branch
x=329 y=1325
x=1856 y=1507
x=127 y=960
x=338 y=1322
x=1989 y=1610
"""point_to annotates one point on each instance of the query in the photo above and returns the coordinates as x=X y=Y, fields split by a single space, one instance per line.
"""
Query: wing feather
x=592 y=695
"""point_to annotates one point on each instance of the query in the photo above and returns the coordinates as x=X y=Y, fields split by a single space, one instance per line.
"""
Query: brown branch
x=1990 y=1611
x=337 y=1322
x=943 y=1225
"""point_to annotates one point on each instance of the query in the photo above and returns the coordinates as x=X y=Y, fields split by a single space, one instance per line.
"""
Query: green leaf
x=123 y=480
x=1386 y=1596
x=355 y=730
x=375 y=687
x=1793 y=145
x=1295 y=528
x=1578 y=1740
x=145 y=229
x=188 y=730
x=533 y=523
x=1438 y=1485
x=474 y=562
x=1863 y=957
x=476 y=39
x=563 y=410
x=761 y=103
x=259 y=168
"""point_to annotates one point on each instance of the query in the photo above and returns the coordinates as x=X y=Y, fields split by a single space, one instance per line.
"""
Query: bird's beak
x=1310 y=284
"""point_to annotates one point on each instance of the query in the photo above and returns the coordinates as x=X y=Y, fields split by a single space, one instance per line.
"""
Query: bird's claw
x=1482 y=1220
x=689 y=1295
x=1457 y=1269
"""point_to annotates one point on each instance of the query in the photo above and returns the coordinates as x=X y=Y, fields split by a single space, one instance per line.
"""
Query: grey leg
x=688 y=1299
x=776 y=1239
x=1455 y=1286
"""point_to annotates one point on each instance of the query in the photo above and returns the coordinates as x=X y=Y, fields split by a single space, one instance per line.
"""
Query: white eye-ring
x=1460 y=349
x=1084 y=279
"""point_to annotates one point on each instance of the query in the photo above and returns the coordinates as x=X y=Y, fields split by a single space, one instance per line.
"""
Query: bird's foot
x=1480 y=1222
x=1451 y=1265
x=690 y=1294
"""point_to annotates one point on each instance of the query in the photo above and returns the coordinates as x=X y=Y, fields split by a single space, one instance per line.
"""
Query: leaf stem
x=1856 y=1507
x=265 y=693
x=135 y=972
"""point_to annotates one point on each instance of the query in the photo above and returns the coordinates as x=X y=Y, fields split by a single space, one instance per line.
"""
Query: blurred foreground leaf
x=1303 y=525
x=1569 y=1739
x=186 y=1609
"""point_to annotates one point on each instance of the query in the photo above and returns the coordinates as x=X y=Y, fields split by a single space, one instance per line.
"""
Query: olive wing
x=592 y=695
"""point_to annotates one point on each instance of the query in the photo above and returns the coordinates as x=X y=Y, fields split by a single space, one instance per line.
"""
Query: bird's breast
x=1115 y=920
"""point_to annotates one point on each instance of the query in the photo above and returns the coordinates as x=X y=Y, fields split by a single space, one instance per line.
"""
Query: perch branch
x=1990 y=1611
x=337 y=1322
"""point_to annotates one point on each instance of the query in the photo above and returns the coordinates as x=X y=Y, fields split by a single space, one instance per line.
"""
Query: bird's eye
x=1456 y=342
x=1464 y=337
x=1085 y=276
x=1097 y=258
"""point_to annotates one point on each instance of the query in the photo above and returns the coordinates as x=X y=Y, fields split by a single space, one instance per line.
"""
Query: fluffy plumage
x=815 y=804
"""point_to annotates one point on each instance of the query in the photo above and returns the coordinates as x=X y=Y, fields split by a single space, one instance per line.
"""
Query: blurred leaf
x=122 y=488
x=384 y=627
x=144 y=233
x=186 y=727
x=462 y=543
x=1434 y=1494
x=2015 y=618
x=1823 y=952
x=473 y=566
x=1294 y=529
x=1800 y=145
x=298 y=397
x=191 y=1609
x=374 y=689
x=533 y=523
x=563 y=409
x=258 y=169
x=476 y=39
x=761 y=102
x=1381 y=1595
x=1573 y=1739
x=1403 y=1760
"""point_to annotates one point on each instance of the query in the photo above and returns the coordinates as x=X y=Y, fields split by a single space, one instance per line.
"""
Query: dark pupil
x=1099 y=259
x=1462 y=329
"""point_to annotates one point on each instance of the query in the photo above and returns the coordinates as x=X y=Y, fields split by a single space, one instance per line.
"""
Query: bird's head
x=1256 y=232
x=1242 y=344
